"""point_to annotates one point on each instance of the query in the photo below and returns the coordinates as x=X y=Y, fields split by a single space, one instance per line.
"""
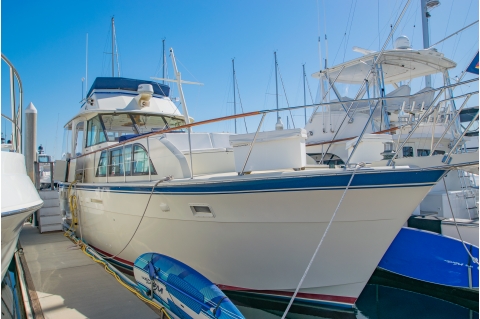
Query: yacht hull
x=19 y=200
x=261 y=235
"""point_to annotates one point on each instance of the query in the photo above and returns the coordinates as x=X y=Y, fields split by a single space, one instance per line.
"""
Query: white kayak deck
x=66 y=283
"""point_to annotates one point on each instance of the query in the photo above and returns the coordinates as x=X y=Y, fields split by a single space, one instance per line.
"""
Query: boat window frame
x=88 y=131
x=131 y=171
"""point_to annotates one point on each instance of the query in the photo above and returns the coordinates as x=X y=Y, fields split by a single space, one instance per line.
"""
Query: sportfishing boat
x=405 y=128
x=245 y=210
x=19 y=196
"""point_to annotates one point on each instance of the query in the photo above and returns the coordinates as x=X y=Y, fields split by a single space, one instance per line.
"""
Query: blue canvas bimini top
x=105 y=83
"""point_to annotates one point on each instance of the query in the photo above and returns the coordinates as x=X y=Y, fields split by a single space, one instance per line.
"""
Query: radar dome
x=402 y=42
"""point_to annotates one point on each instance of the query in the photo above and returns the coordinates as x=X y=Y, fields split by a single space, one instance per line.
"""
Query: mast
x=427 y=5
x=304 y=94
x=113 y=51
x=234 y=100
x=86 y=69
x=163 y=58
x=276 y=82
x=279 y=125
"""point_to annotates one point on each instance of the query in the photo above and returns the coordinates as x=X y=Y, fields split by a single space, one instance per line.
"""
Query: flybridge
x=117 y=83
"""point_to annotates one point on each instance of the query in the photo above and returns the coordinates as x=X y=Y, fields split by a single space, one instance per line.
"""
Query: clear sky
x=46 y=41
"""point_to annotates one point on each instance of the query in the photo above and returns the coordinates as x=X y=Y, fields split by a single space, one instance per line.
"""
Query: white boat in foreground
x=19 y=196
x=144 y=184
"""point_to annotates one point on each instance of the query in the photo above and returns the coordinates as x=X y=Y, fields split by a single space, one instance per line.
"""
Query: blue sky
x=46 y=43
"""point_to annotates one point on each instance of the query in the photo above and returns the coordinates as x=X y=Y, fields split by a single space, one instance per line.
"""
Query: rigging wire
x=349 y=31
x=448 y=22
x=459 y=38
x=241 y=105
x=286 y=98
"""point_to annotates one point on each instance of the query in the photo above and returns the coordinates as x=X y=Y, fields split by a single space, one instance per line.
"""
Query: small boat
x=182 y=290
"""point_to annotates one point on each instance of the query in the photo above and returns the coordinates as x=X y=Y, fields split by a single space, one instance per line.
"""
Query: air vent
x=201 y=210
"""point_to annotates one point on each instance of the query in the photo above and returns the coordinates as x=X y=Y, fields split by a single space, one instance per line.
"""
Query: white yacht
x=411 y=127
x=19 y=196
x=246 y=210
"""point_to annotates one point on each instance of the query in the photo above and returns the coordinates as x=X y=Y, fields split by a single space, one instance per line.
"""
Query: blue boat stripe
x=287 y=184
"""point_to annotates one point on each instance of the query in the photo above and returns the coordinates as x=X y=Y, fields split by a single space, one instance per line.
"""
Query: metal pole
x=426 y=37
x=427 y=111
x=51 y=176
x=30 y=139
x=446 y=158
x=86 y=68
x=251 y=145
x=276 y=81
x=234 y=101
x=148 y=158
x=450 y=124
x=113 y=51
x=178 y=77
x=304 y=93
x=14 y=114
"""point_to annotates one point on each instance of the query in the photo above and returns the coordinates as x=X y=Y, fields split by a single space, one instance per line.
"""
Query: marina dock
x=65 y=283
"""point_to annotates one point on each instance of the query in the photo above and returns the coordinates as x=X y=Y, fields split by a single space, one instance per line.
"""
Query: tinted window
x=102 y=164
x=95 y=133
x=423 y=152
x=116 y=162
x=140 y=161
x=407 y=151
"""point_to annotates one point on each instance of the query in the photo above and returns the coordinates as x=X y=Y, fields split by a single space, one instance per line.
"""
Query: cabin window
x=79 y=140
x=128 y=160
x=102 y=164
x=116 y=162
x=423 y=152
x=407 y=151
x=117 y=125
x=140 y=161
x=95 y=133
x=122 y=161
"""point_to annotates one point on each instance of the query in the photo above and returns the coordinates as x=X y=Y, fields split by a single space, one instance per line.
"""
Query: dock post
x=30 y=139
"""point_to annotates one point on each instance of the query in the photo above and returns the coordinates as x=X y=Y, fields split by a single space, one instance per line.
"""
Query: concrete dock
x=65 y=283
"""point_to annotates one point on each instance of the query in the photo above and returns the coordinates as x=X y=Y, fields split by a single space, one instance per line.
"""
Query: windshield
x=149 y=123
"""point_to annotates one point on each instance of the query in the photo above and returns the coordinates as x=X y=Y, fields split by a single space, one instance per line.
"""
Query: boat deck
x=65 y=283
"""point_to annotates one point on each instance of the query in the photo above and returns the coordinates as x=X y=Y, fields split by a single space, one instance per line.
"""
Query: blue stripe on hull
x=278 y=184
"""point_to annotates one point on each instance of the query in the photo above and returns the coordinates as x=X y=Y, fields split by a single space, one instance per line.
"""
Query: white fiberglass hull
x=19 y=200
x=258 y=241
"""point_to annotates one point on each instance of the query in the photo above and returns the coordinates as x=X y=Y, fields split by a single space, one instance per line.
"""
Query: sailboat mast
x=234 y=100
x=276 y=81
x=163 y=58
x=113 y=51
x=304 y=94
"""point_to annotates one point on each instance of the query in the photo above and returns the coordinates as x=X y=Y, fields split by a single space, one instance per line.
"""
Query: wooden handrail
x=218 y=119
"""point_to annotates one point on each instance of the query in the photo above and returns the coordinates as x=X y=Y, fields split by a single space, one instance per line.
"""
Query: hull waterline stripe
x=308 y=297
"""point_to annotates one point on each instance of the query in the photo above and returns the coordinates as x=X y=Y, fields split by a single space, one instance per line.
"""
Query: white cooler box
x=283 y=149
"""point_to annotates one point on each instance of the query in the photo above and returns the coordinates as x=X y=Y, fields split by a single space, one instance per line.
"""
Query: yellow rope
x=72 y=203
x=138 y=294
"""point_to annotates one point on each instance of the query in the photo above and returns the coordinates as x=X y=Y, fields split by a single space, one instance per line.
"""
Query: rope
x=321 y=240
x=85 y=247
x=475 y=260
x=168 y=178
